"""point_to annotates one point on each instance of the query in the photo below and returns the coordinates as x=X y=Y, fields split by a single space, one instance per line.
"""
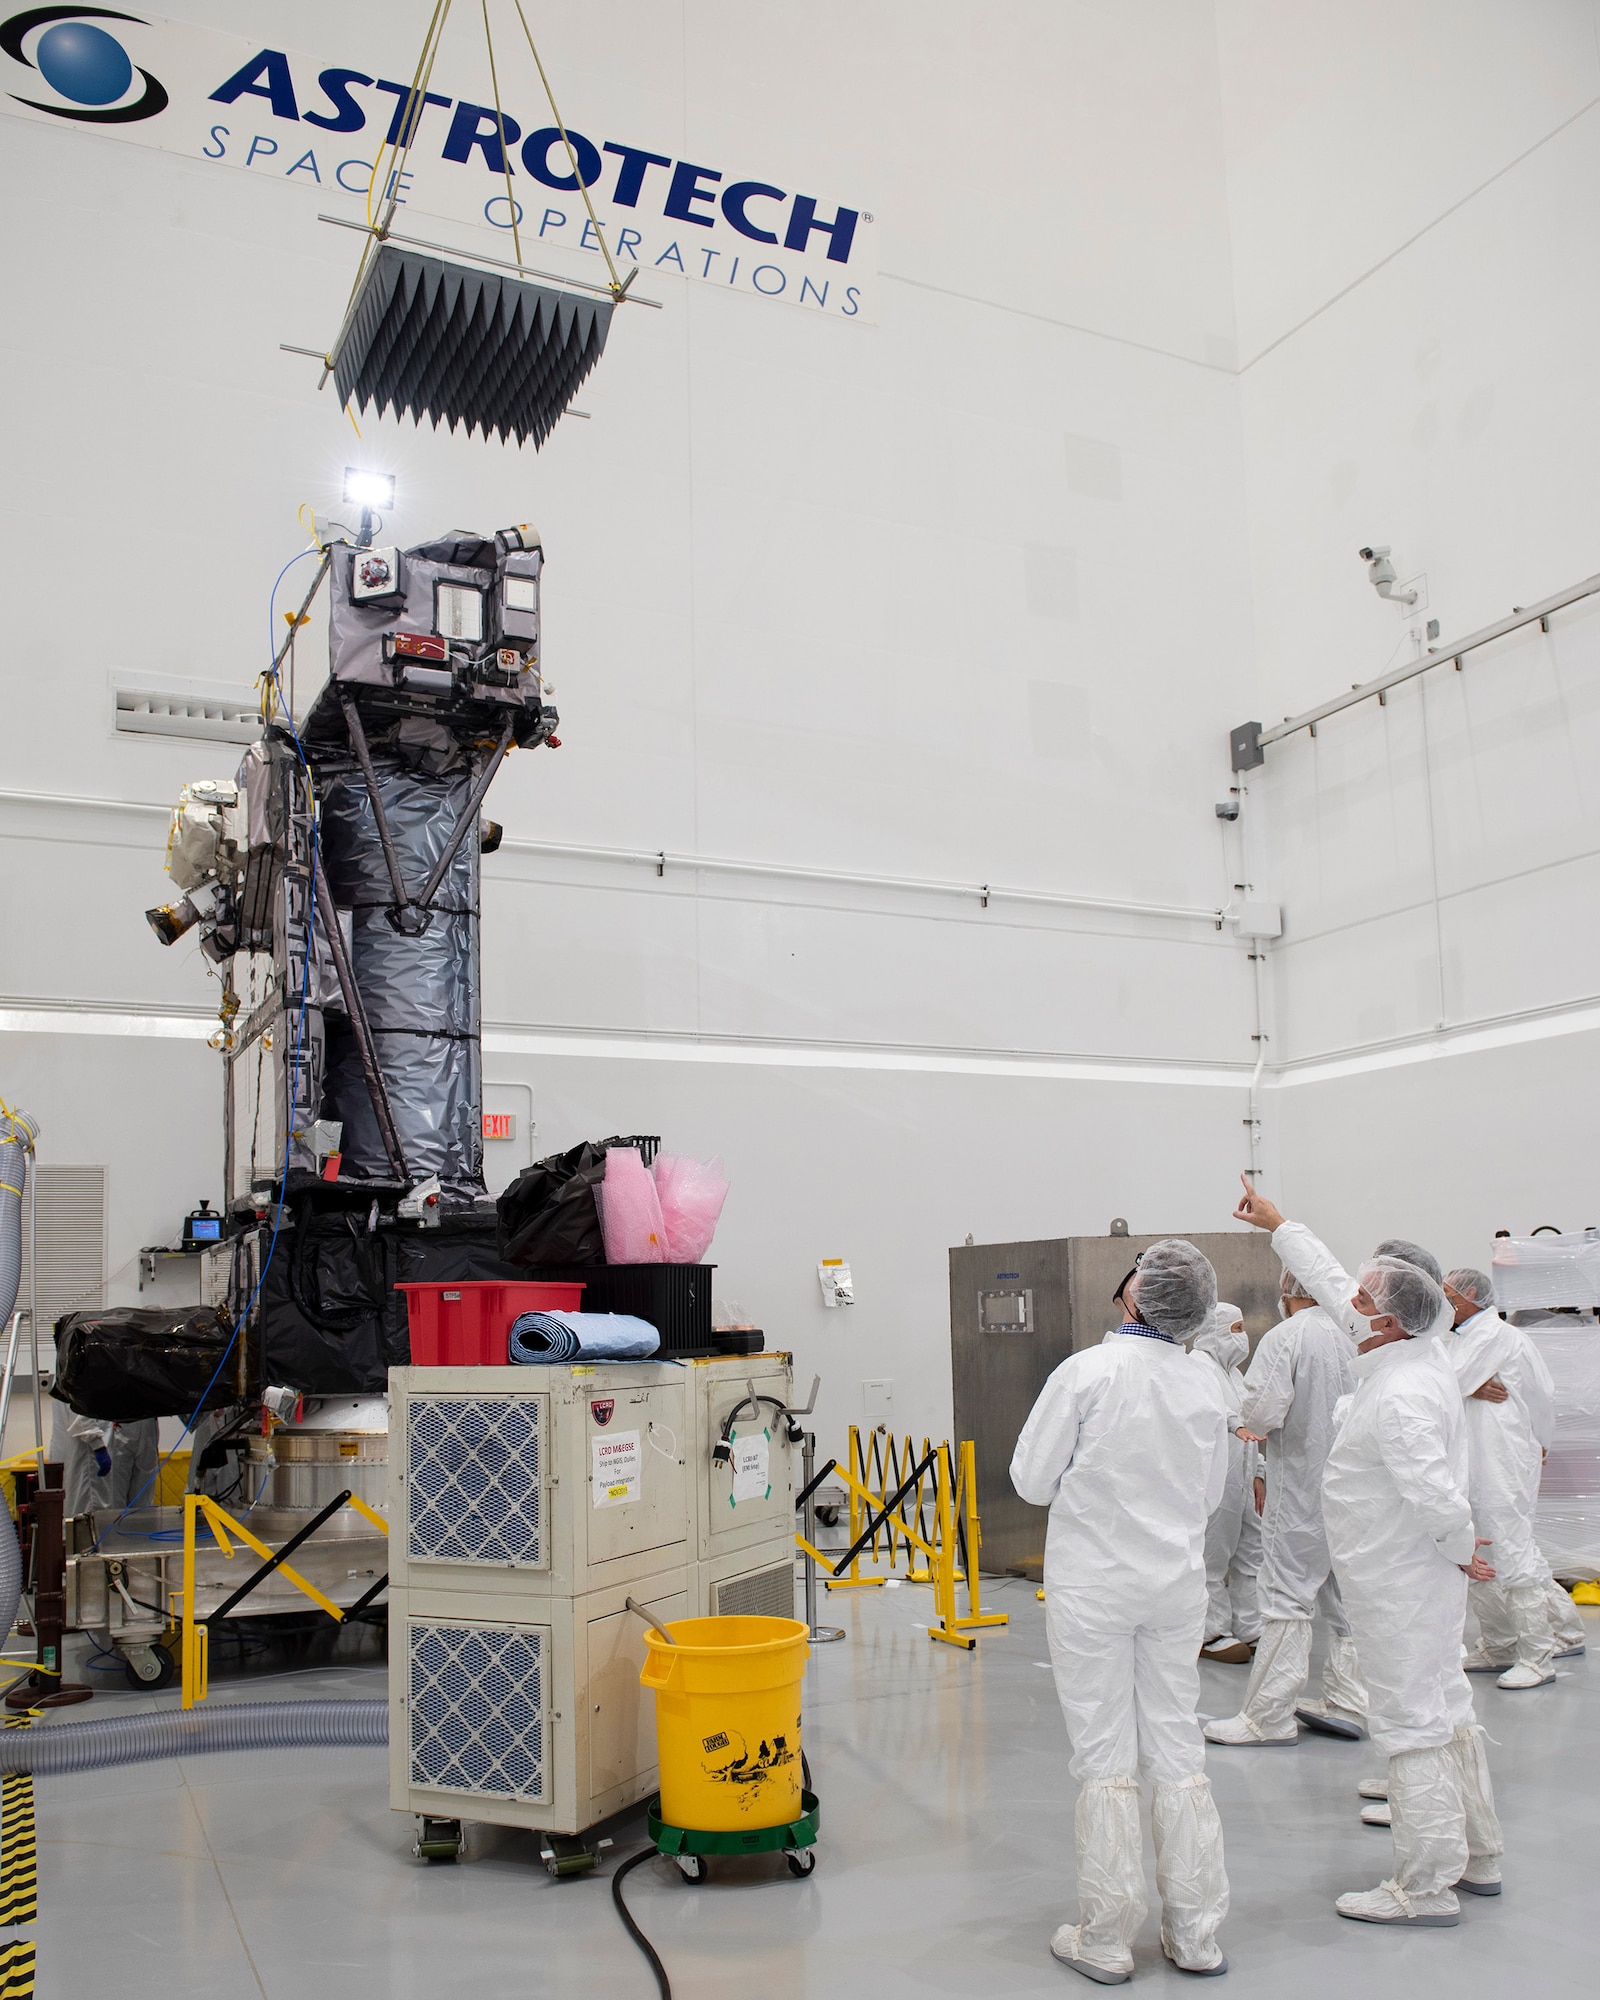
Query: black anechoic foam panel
x=434 y=340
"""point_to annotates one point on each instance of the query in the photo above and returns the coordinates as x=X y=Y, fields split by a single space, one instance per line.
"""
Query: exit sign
x=499 y=1124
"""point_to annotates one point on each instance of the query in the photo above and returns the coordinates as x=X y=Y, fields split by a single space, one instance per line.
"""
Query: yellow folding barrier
x=195 y=1654
x=904 y=1478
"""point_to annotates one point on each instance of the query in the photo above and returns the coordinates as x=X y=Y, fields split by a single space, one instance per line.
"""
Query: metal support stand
x=820 y=1635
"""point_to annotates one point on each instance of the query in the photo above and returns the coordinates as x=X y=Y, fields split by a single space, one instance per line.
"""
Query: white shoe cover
x=1428 y=1809
x=1377 y=1813
x=1277 y=1678
x=1519 y=1677
x=1189 y=1872
x=1111 y=1892
x=1342 y=1685
x=1480 y=1662
x=1328 y=1720
x=1390 y=1904
x=1373 y=1788
x=1485 y=1842
x=1067 y=1945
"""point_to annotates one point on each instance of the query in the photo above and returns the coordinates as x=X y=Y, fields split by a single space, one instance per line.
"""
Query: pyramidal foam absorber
x=435 y=340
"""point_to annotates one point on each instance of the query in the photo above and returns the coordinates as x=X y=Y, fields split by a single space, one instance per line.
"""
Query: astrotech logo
x=90 y=71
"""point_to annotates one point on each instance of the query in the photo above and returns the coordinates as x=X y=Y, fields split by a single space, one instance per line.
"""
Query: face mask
x=1366 y=1364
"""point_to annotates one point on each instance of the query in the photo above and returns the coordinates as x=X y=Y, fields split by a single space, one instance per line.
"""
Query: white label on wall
x=617 y=1464
x=752 y=1474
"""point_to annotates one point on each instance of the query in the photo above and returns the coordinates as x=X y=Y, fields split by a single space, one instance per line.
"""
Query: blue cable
x=173 y=1534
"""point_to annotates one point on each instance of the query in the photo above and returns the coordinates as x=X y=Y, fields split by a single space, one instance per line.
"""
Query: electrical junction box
x=528 y=1503
x=1257 y=920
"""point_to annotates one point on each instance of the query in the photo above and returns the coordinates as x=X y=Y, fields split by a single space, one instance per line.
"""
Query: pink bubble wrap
x=630 y=1211
x=692 y=1193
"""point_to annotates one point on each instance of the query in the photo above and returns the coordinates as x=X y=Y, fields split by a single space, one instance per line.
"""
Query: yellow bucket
x=728 y=1721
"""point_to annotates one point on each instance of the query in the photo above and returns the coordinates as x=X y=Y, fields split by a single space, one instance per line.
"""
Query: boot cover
x=1342 y=1686
x=1485 y=1842
x=1328 y=1720
x=1497 y=1626
x=1377 y=1813
x=1111 y=1891
x=1516 y=1679
x=1536 y=1645
x=1373 y=1788
x=1277 y=1678
x=1566 y=1621
x=1067 y=1946
x=1480 y=1662
x=1429 y=1818
x=1390 y=1904
x=1189 y=1873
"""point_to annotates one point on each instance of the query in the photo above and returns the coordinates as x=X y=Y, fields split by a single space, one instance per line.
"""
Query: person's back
x=1125 y=1446
x=1383 y=1496
x=1310 y=1356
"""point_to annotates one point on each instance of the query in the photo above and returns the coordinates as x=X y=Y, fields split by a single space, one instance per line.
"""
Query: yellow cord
x=500 y=123
x=617 y=286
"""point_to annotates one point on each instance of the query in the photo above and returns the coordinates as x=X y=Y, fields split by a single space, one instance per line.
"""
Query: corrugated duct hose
x=238 y=1725
x=17 y=1134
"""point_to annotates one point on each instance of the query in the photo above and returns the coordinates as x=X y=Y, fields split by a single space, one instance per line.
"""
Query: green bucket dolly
x=689 y=1847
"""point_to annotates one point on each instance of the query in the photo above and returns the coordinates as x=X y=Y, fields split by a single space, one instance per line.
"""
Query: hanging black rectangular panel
x=436 y=340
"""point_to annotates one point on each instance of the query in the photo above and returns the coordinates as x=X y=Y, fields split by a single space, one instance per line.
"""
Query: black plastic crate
x=674 y=1298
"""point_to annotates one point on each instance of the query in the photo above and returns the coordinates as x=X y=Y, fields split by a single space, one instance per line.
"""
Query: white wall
x=960 y=595
x=1179 y=308
x=1412 y=192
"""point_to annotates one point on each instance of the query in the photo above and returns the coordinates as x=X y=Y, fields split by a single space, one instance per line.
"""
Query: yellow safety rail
x=954 y=1499
x=195 y=1658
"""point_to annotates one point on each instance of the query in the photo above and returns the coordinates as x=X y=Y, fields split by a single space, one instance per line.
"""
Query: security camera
x=1381 y=575
x=1227 y=809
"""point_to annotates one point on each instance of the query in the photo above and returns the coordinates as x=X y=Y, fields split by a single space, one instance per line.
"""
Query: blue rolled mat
x=568 y=1336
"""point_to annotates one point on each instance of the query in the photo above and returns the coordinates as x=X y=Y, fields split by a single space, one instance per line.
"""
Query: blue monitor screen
x=204 y=1229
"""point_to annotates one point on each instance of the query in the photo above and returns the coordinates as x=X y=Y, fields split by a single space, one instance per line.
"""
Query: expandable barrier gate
x=196 y=1650
x=920 y=1505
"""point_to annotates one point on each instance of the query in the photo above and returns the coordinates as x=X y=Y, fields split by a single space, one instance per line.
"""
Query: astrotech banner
x=317 y=122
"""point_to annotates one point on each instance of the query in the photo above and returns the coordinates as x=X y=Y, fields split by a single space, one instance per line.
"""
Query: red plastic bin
x=468 y=1324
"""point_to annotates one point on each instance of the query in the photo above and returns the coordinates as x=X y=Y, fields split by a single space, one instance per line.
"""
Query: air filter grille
x=475 y=1480
x=477 y=1709
x=433 y=340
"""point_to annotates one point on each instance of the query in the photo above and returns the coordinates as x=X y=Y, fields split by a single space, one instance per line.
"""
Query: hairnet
x=1291 y=1287
x=1177 y=1288
x=1403 y=1290
x=1411 y=1253
x=1474 y=1285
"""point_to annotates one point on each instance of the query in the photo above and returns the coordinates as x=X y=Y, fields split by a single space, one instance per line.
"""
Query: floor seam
x=233 y=1914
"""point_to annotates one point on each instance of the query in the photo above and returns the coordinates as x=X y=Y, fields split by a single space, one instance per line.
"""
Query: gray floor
x=945 y=1857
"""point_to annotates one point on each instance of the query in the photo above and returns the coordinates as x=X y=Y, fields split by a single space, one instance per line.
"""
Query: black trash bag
x=131 y=1362
x=548 y=1214
x=332 y=1322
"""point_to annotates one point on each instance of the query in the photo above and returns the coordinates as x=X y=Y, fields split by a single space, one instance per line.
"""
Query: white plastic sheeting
x=1532 y=1271
x=1567 y=1521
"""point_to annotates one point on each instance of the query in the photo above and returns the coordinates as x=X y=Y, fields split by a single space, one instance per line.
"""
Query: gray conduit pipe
x=238 y=1725
x=17 y=1134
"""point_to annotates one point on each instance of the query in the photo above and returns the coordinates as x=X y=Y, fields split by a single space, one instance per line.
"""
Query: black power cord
x=663 y=1983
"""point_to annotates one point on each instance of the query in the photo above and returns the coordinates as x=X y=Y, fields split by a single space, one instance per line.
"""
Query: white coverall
x=1127 y=1446
x=1300 y=1370
x=1233 y=1534
x=135 y=1454
x=1504 y=1467
x=1400 y=1528
x=1566 y=1622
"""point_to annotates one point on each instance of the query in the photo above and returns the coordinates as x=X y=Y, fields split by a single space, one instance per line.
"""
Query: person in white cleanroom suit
x=1128 y=1448
x=1233 y=1534
x=107 y=1465
x=1399 y=1522
x=1510 y=1405
x=1566 y=1622
x=1300 y=1370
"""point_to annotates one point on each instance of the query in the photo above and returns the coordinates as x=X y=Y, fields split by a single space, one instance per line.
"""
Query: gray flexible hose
x=17 y=1134
x=239 y=1725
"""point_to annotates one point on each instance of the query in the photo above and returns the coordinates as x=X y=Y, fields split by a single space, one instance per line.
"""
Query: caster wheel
x=439 y=1843
x=801 y=1862
x=165 y=1669
x=692 y=1867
